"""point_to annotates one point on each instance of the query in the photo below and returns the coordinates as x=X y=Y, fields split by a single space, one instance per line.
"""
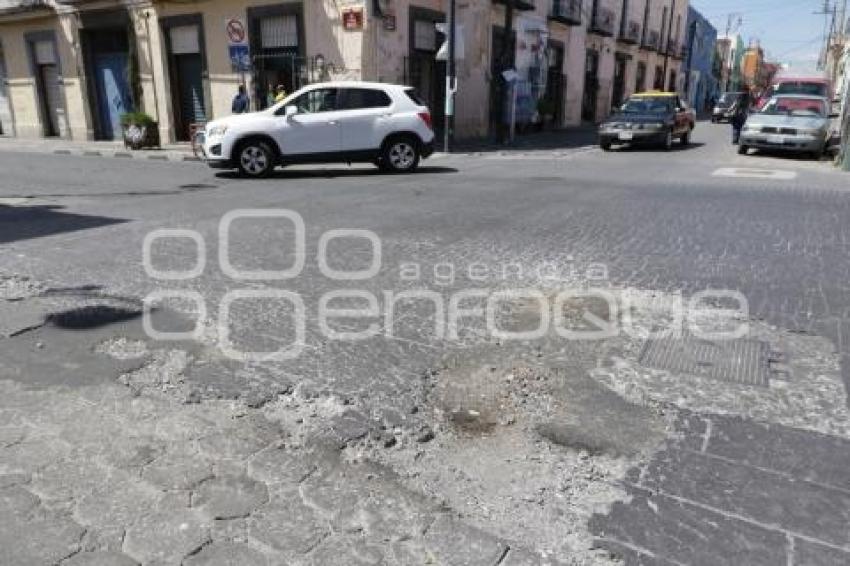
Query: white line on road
x=747 y=173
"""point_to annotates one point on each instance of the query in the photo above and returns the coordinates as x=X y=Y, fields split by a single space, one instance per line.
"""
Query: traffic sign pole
x=451 y=79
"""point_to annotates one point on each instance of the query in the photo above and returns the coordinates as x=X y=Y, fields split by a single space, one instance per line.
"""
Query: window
x=279 y=31
x=184 y=40
x=360 y=98
x=311 y=102
x=415 y=97
x=424 y=35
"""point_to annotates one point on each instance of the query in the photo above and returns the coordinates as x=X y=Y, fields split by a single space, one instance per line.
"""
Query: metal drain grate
x=746 y=362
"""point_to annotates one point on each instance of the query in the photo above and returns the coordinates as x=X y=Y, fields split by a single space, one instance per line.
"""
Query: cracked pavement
x=117 y=448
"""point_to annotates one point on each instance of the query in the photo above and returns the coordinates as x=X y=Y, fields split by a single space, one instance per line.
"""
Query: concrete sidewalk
x=562 y=139
x=572 y=137
x=168 y=152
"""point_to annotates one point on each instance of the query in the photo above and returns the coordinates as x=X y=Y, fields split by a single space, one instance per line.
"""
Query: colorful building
x=730 y=49
x=702 y=87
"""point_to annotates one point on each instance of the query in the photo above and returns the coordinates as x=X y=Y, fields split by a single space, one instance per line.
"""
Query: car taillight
x=426 y=117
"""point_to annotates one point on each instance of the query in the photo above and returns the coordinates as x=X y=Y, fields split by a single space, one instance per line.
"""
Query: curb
x=169 y=156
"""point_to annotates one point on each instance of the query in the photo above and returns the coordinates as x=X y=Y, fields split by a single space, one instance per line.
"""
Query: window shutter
x=279 y=31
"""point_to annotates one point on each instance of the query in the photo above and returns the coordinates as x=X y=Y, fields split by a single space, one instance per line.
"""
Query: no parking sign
x=237 y=45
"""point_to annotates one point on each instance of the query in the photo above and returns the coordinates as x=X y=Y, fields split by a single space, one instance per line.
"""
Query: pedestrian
x=742 y=111
x=241 y=102
x=280 y=93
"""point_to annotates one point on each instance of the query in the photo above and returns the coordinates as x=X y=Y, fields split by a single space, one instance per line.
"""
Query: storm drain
x=746 y=362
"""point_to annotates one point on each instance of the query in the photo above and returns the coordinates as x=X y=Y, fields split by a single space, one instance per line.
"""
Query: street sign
x=240 y=58
x=352 y=19
x=236 y=34
x=443 y=52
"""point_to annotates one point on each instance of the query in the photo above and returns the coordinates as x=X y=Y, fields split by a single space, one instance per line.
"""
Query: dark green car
x=652 y=118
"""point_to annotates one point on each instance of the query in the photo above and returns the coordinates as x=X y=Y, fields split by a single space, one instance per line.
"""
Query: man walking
x=241 y=102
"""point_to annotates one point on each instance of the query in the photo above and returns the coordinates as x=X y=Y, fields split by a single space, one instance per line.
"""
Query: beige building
x=70 y=68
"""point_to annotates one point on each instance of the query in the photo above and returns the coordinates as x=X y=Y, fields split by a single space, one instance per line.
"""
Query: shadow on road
x=648 y=148
x=337 y=173
x=787 y=155
x=27 y=222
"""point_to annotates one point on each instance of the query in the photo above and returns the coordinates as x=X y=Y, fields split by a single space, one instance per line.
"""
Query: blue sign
x=240 y=58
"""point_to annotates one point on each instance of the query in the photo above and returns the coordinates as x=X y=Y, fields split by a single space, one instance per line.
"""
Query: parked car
x=654 y=118
x=341 y=122
x=793 y=122
x=727 y=105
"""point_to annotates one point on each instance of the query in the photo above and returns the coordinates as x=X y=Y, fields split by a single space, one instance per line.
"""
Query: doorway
x=640 y=77
x=556 y=83
x=591 y=86
x=277 y=51
x=187 y=68
x=503 y=57
x=45 y=66
x=106 y=52
x=621 y=61
x=422 y=70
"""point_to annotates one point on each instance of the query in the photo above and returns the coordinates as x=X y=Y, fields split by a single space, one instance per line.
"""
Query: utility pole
x=505 y=59
x=451 y=78
x=728 y=63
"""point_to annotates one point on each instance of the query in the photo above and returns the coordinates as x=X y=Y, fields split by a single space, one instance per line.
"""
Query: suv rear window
x=359 y=98
x=414 y=96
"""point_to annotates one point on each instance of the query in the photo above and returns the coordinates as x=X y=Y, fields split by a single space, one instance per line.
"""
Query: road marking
x=14 y=201
x=746 y=173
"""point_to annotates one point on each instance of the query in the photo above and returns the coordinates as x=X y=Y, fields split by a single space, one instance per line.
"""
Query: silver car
x=789 y=122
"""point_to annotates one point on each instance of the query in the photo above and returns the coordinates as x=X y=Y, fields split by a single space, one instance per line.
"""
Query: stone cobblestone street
x=413 y=447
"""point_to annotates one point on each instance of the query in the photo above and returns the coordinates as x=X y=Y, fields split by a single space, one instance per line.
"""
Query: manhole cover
x=746 y=362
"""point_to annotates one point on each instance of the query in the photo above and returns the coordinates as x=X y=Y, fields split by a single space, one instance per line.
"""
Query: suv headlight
x=809 y=131
x=656 y=125
x=216 y=131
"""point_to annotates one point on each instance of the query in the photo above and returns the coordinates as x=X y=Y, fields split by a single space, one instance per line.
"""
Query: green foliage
x=136 y=119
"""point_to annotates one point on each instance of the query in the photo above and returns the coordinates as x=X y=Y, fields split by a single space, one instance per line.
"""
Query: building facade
x=71 y=68
x=731 y=50
x=701 y=86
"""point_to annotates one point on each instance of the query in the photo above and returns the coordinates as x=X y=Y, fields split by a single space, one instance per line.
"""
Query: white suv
x=343 y=122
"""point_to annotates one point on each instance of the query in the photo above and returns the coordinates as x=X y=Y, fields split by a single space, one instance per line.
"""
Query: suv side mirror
x=290 y=111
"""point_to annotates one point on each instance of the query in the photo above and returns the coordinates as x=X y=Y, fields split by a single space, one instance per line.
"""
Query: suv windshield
x=809 y=107
x=647 y=105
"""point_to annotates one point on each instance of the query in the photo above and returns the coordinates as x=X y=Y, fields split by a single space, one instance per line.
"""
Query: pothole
x=91 y=316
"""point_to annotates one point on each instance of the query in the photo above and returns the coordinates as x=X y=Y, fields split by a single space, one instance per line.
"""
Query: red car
x=811 y=86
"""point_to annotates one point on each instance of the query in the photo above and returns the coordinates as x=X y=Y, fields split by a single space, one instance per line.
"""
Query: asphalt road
x=772 y=227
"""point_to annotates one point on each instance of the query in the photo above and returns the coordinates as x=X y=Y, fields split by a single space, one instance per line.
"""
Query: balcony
x=522 y=5
x=630 y=33
x=567 y=12
x=603 y=22
x=651 y=41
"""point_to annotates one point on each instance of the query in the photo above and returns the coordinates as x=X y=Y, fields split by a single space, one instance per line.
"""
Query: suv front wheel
x=255 y=159
x=400 y=155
